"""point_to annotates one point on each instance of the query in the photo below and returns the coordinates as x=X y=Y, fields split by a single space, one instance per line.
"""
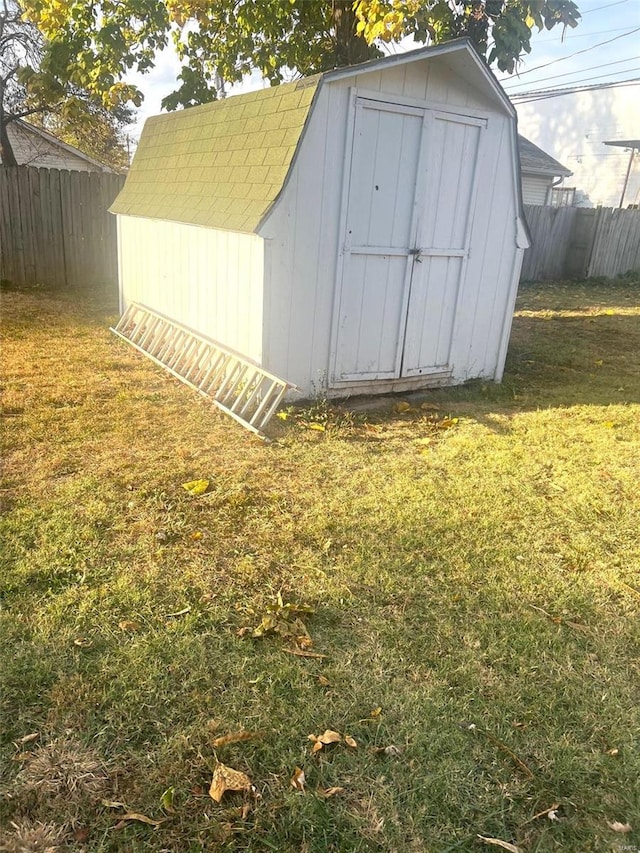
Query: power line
x=579 y=71
x=609 y=74
x=606 y=6
x=578 y=52
x=543 y=94
x=586 y=35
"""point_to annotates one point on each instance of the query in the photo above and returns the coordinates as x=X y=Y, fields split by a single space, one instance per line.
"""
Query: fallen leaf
x=318 y=427
x=402 y=406
x=246 y=808
x=613 y=751
x=376 y=712
x=298 y=779
x=424 y=441
x=323 y=682
x=350 y=742
x=81 y=834
x=227 y=779
x=430 y=406
x=235 y=737
x=319 y=741
x=113 y=804
x=178 y=613
x=141 y=818
x=301 y=653
x=609 y=424
x=83 y=642
x=29 y=738
x=166 y=800
x=330 y=792
x=329 y=736
x=282 y=415
x=196 y=487
x=497 y=842
x=129 y=625
x=447 y=423
x=387 y=750
x=197 y=534
x=610 y=312
x=616 y=826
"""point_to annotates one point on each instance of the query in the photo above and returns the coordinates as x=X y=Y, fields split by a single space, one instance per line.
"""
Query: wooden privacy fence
x=55 y=228
x=573 y=242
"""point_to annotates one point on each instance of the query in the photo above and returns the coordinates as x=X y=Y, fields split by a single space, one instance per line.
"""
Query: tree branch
x=42 y=109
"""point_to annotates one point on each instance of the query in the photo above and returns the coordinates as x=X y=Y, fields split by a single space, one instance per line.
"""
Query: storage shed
x=359 y=231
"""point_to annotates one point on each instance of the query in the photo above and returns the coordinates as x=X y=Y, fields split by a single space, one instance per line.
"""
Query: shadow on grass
x=571 y=345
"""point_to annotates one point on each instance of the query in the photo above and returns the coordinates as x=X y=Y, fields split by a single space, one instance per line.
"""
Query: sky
x=602 y=48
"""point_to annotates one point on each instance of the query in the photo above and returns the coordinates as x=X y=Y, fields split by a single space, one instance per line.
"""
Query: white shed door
x=407 y=230
x=442 y=247
x=380 y=230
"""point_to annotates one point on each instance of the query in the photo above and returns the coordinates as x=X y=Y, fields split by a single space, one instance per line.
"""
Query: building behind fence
x=55 y=229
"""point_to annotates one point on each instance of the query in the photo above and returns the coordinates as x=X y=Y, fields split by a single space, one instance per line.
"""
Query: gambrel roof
x=223 y=165
x=220 y=165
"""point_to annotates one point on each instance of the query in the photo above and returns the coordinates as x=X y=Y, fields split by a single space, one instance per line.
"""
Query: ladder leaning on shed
x=238 y=387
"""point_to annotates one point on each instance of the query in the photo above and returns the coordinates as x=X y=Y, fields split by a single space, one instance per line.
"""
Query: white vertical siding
x=491 y=276
x=303 y=239
x=535 y=189
x=208 y=280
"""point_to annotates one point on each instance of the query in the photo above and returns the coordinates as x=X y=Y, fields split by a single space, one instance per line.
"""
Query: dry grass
x=487 y=573
x=27 y=836
x=64 y=770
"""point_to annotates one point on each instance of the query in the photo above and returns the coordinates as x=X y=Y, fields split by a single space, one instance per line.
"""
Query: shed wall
x=303 y=239
x=206 y=279
x=535 y=189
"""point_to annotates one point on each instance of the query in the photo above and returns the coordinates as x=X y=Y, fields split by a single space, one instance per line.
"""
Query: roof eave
x=546 y=173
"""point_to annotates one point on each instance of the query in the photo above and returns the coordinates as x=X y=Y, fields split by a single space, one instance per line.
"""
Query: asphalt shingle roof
x=535 y=160
x=220 y=165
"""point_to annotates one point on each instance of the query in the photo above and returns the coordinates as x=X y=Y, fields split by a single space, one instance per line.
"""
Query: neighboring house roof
x=535 y=161
x=34 y=146
x=223 y=164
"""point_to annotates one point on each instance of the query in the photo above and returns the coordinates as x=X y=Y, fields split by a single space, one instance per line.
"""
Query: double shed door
x=408 y=223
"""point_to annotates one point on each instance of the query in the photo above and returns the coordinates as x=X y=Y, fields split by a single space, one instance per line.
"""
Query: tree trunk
x=350 y=47
x=6 y=150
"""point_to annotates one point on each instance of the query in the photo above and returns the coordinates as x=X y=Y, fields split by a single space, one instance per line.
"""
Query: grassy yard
x=473 y=565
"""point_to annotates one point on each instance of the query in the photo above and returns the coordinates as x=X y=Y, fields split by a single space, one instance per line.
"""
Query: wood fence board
x=55 y=228
x=575 y=242
x=550 y=228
